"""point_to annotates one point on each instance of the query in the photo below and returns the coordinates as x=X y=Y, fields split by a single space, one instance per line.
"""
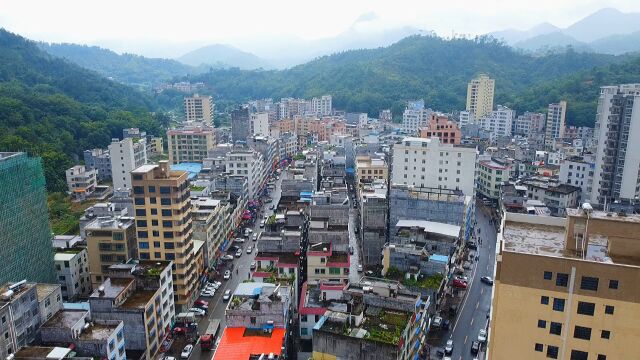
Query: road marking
x=471 y=322
x=477 y=304
x=465 y=339
x=481 y=290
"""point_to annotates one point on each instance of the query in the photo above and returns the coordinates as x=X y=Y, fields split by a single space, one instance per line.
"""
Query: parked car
x=482 y=335
x=202 y=307
x=198 y=311
x=239 y=240
x=186 y=352
x=254 y=237
x=201 y=302
x=207 y=293
x=475 y=347
x=227 y=295
x=453 y=309
x=253 y=265
x=249 y=249
x=227 y=274
x=215 y=284
x=440 y=352
x=472 y=245
x=463 y=278
x=227 y=258
x=239 y=253
x=359 y=267
x=437 y=321
x=247 y=232
x=459 y=284
x=487 y=280
x=448 y=349
x=262 y=224
x=369 y=273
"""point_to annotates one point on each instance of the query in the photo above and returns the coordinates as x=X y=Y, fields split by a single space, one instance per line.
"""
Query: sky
x=165 y=22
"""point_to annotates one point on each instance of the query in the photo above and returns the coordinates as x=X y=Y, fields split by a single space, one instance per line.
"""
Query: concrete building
x=25 y=238
x=240 y=124
x=190 y=144
x=164 y=225
x=528 y=124
x=260 y=124
x=199 y=109
x=579 y=171
x=72 y=272
x=209 y=226
x=315 y=300
x=491 y=174
x=110 y=240
x=617 y=135
x=567 y=286
x=369 y=169
x=498 y=122
x=20 y=316
x=99 y=160
x=385 y=115
x=126 y=155
x=415 y=118
x=93 y=339
x=467 y=118
x=556 y=196
x=81 y=181
x=322 y=106
x=49 y=300
x=287 y=145
x=373 y=203
x=139 y=294
x=259 y=305
x=554 y=127
x=441 y=127
x=325 y=263
x=480 y=95
x=412 y=258
x=429 y=163
x=250 y=164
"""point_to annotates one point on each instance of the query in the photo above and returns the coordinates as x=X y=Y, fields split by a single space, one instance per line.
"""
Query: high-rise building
x=190 y=144
x=567 y=287
x=260 y=124
x=25 y=235
x=199 y=109
x=164 y=225
x=126 y=155
x=240 y=124
x=617 y=137
x=321 y=106
x=554 y=128
x=429 y=163
x=480 y=95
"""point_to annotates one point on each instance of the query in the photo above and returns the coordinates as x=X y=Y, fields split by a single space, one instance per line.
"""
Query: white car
x=359 y=267
x=207 y=293
x=215 y=284
x=227 y=295
x=239 y=253
x=262 y=223
x=197 y=311
x=482 y=335
x=186 y=352
x=448 y=349
x=239 y=240
x=227 y=274
x=249 y=249
x=254 y=237
x=227 y=257
x=253 y=265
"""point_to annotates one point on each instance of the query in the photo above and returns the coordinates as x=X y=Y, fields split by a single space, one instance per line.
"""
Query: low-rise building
x=99 y=160
x=81 y=182
x=441 y=127
x=491 y=174
x=315 y=300
x=578 y=171
x=72 y=272
x=49 y=300
x=20 y=316
x=369 y=169
x=556 y=196
x=325 y=263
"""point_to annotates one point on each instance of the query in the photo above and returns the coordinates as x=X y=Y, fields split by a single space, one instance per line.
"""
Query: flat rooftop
x=65 y=319
x=44 y=290
x=138 y=299
x=240 y=343
x=99 y=331
x=111 y=288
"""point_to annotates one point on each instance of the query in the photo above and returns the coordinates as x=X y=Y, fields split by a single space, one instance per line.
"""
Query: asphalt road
x=473 y=314
x=216 y=305
x=354 y=276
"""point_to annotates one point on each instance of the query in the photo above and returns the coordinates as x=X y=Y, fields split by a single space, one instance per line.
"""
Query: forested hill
x=428 y=67
x=56 y=109
x=126 y=68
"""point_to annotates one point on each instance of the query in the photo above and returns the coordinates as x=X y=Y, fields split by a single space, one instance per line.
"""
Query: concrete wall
x=336 y=346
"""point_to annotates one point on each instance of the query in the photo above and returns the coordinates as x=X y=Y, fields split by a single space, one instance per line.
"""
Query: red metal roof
x=235 y=346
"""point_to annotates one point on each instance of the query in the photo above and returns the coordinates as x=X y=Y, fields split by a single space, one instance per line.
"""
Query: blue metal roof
x=439 y=258
x=192 y=168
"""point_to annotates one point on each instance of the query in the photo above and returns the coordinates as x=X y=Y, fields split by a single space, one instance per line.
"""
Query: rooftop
x=42 y=352
x=111 y=288
x=431 y=227
x=381 y=325
x=240 y=343
x=44 y=290
x=138 y=299
x=65 y=319
x=99 y=330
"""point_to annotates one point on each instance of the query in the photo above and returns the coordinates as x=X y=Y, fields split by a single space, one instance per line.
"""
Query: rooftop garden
x=299 y=156
x=429 y=282
x=387 y=326
x=197 y=188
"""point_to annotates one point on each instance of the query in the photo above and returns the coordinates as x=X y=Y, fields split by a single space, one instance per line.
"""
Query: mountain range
x=608 y=31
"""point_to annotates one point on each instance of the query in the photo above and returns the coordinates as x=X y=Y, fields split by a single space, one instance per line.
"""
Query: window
x=579 y=355
x=548 y=275
x=169 y=245
x=141 y=212
x=252 y=319
x=602 y=357
x=303 y=331
x=144 y=245
x=581 y=332
x=613 y=284
x=141 y=223
x=586 y=308
x=544 y=300
x=167 y=234
x=156 y=244
x=552 y=352
x=154 y=222
x=139 y=201
x=165 y=201
x=562 y=279
x=170 y=256
x=157 y=255
x=542 y=324
x=608 y=309
x=155 y=233
x=166 y=212
x=589 y=283
x=143 y=234
x=138 y=190
x=605 y=334
x=152 y=200
x=151 y=189
x=539 y=347
x=165 y=189
x=334 y=271
x=167 y=223
x=558 y=304
x=555 y=328
x=154 y=211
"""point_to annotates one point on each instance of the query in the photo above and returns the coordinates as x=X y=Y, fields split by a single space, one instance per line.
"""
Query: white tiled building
x=578 y=171
x=428 y=163
x=72 y=272
x=250 y=164
x=260 y=124
x=414 y=119
x=81 y=181
x=126 y=156
x=498 y=122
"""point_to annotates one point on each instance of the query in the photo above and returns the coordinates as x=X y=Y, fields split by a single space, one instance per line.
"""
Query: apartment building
x=72 y=272
x=240 y=124
x=415 y=118
x=369 y=169
x=430 y=163
x=290 y=107
x=579 y=171
x=441 y=127
x=528 y=124
x=260 y=124
x=555 y=195
x=99 y=160
x=373 y=205
x=498 y=122
x=126 y=155
x=321 y=106
x=49 y=300
x=554 y=127
x=81 y=181
x=566 y=286
x=199 y=108
x=209 y=226
x=480 y=95
x=110 y=240
x=385 y=115
x=617 y=135
x=20 y=316
x=326 y=264
x=190 y=144
x=491 y=174
x=466 y=118
x=26 y=249
x=164 y=225
x=250 y=164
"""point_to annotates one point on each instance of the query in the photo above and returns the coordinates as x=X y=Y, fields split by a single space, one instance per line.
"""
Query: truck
x=208 y=340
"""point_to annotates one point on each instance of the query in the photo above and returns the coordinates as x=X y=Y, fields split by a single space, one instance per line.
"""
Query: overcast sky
x=229 y=21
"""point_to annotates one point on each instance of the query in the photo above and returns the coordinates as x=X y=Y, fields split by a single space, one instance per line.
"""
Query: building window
x=552 y=352
x=334 y=271
x=170 y=256
x=602 y=357
x=581 y=332
x=117 y=236
x=152 y=200
x=548 y=275
x=165 y=201
x=542 y=324
x=605 y=334
x=166 y=212
x=144 y=256
x=155 y=233
x=562 y=279
x=154 y=211
x=613 y=284
x=151 y=189
x=539 y=347
x=608 y=309
x=252 y=319
x=586 y=308
x=143 y=245
x=544 y=300
x=555 y=328
x=141 y=212
x=303 y=318
x=169 y=245
x=589 y=283
x=139 y=201
x=165 y=189
x=141 y=223
x=303 y=331
x=579 y=355
x=558 y=304
x=143 y=234
x=167 y=223
x=138 y=190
